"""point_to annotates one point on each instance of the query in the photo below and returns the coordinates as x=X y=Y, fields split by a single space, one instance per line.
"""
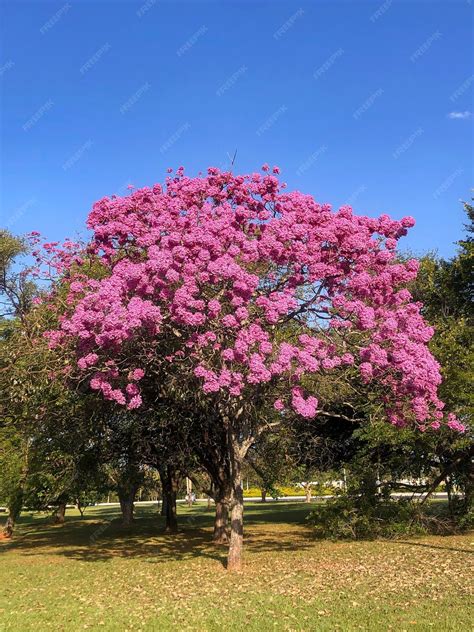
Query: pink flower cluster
x=216 y=268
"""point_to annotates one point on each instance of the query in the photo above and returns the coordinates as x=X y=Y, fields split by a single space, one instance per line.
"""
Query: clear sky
x=362 y=102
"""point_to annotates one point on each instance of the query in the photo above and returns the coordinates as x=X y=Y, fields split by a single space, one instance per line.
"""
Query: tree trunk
x=234 y=559
x=126 y=496
x=189 y=491
x=308 y=494
x=221 y=532
x=264 y=495
x=171 y=512
x=60 y=514
x=163 y=505
x=126 y=507
x=468 y=494
x=14 y=511
x=171 y=515
x=16 y=499
x=9 y=526
x=169 y=484
x=449 y=491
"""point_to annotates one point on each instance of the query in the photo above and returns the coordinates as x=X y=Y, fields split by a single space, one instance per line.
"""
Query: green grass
x=92 y=574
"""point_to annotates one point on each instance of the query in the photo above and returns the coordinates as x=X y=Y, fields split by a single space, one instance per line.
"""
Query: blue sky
x=361 y=102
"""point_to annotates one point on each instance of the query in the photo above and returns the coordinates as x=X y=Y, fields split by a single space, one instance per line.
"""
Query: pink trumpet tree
x=203 y=277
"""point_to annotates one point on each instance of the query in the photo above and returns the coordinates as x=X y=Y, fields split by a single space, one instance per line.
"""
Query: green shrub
x=358 y=517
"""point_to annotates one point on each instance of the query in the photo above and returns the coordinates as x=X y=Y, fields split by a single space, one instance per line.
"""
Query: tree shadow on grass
x=277 y=514
x=435 y=546
x=102 y=540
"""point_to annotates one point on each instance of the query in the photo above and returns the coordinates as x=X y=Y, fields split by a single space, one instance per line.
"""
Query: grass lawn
x=92 y=574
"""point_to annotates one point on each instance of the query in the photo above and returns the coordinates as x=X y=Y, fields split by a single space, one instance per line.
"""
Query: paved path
x=270 y=499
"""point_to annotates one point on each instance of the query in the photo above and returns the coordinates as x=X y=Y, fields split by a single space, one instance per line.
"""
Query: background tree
x=16 y=285
x=270 y=460
x=16 y=291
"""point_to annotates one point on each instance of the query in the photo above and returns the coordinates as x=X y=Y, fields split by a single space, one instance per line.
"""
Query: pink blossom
x=455 y=424
x=137 y=374
x=304 y=407
x=86 y=361
x=201 y=275
x=135 y=402
x=278 y=405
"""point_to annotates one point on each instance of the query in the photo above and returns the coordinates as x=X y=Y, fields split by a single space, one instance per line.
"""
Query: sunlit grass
x=93 y=574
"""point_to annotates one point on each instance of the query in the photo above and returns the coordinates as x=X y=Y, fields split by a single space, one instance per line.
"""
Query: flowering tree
x=229 y=286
